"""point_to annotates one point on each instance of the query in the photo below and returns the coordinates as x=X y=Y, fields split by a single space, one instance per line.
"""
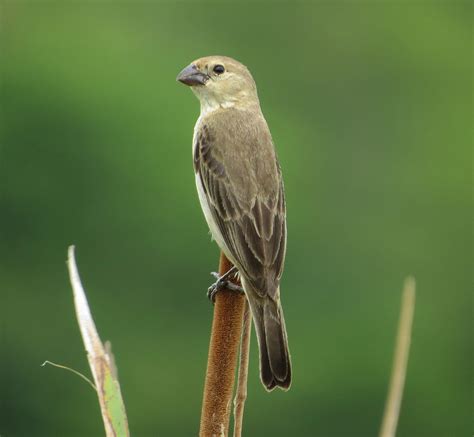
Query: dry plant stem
x=402 y=348
x=241 y=393
x=222 y=359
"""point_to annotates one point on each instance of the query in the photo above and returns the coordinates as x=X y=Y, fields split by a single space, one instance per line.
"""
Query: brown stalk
x=241 y=392
x=222 y=359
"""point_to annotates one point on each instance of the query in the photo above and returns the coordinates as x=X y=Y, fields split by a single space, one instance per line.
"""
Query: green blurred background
x=370 y=108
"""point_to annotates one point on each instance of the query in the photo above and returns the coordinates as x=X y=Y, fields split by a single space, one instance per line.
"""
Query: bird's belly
x=213 y=227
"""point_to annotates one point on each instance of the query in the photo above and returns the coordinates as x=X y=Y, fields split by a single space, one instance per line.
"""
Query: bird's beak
x=192 y=76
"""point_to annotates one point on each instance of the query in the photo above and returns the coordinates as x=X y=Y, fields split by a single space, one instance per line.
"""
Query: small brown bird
x=241 y=192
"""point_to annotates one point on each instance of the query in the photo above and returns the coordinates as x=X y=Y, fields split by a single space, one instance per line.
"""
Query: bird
x=240 y=188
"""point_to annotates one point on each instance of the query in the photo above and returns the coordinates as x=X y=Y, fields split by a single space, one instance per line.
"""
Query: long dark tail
x=275 y=364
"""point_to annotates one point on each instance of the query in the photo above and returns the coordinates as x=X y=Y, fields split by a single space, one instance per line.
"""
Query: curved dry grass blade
x=402 y=348
x=101 y=363
x=60 y=366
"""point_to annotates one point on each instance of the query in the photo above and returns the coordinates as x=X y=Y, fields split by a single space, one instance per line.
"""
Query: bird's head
x=219 y=81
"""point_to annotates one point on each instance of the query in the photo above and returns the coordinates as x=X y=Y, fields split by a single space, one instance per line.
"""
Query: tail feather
x=275 y=364
x=277 y=345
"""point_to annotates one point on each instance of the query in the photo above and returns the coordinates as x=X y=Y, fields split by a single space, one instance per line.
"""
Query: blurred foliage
x=370 y=106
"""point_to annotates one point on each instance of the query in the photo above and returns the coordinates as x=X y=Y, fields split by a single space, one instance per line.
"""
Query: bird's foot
x=223 y=282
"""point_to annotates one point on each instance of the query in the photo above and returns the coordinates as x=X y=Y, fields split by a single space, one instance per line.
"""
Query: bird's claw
x=221 y=283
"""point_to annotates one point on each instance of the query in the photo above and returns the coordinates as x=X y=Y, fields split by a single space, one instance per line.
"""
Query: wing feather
x=251 y=218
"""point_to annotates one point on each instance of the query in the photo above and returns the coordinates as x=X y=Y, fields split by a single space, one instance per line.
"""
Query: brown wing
x=246 y=197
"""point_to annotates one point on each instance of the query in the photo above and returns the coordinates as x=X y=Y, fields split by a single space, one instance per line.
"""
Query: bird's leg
x=233 y=270
x=223 y=282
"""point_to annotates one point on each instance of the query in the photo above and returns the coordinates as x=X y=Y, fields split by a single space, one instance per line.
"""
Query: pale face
x=219 y=81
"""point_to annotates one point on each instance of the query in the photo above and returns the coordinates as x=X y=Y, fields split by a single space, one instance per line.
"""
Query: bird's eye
x=218 y=69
